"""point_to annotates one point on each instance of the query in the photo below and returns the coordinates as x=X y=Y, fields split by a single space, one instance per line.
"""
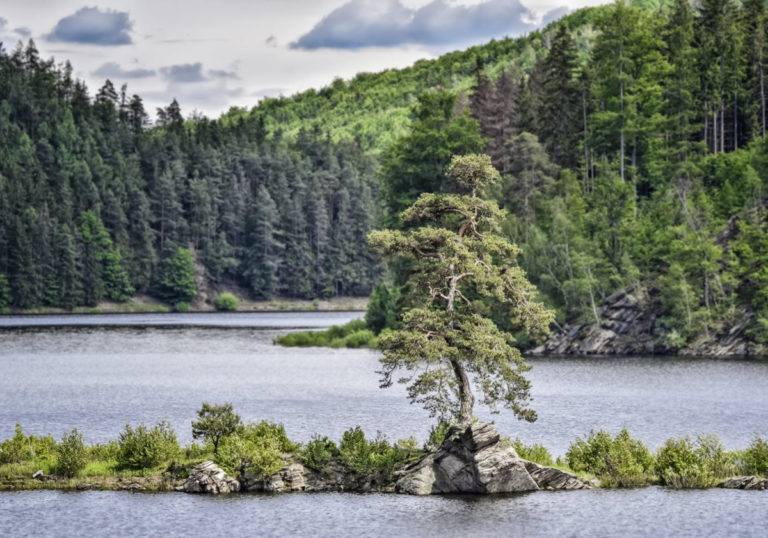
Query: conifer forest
x=630 y=139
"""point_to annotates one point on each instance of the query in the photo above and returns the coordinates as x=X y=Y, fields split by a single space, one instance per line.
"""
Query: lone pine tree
x=458 y=261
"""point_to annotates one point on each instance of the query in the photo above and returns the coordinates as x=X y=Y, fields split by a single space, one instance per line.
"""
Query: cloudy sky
x=211 y=55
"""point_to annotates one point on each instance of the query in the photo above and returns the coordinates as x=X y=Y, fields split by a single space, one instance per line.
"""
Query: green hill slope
x=373 y=108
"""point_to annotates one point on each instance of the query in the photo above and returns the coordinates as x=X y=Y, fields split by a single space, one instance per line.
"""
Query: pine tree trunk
x=762 y=100
x=465 y=388
x=621 y=98
x=465 y=393
x=735 y=121
x=722 y=125
x=706 y=123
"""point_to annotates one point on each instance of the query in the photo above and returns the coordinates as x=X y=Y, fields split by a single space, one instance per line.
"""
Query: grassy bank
x=151 y=459
x=145 y=304
x=353 y=335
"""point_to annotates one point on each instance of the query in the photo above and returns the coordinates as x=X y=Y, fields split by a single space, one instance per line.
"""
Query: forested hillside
x=643 y=164
x=95 y=205
x=630 y=138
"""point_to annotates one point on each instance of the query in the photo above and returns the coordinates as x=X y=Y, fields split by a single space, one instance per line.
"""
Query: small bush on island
x=536 y=453
x=142 y=448
x=22 y=448
x=437 y=434
x=754 y=460
x=682 y=464
x=71 y=454
x=273 y=431
x=319 y=452
x=181 y=307
x=226 y=302
x=354 y=334
x=620 y=461
x=365 y=457
x=256 y=448
x=239 y=454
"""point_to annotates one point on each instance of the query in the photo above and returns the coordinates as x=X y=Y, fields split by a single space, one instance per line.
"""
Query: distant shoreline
x=147 y=305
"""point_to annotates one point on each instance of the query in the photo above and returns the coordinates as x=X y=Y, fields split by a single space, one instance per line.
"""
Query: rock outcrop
x=295 y=477
x=629 y=326
x=744 y=482
x=474 y=459
x=550 y=478
x=208 y=477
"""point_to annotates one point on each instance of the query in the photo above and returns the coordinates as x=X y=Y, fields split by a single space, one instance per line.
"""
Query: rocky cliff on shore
x=629 y=325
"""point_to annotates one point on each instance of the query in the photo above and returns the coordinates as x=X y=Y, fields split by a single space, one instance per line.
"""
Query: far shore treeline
x=630 y=139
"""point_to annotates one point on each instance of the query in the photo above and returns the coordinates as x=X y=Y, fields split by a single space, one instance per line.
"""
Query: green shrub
x=352 y=335
x=21 y=448
x=273 y=431
x=621 y=461
x=535 y=453
x=710 y=450
x=680 y=466
x=141 y=448
x=239 y=454
x=104 y=452
x=363 y=457
x=226 y=302
x=71 y=454
x=437 y=435
x=319 y=452
x=358 y=339
x=754 y=460
x=181 y=307
x=257 y=448
x=386 y=457
x=355 y=452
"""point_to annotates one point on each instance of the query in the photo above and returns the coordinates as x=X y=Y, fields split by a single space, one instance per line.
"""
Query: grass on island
x=152 y=459
x=353 y=335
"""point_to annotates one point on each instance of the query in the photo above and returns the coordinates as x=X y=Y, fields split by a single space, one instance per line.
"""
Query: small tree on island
x=458 y=261
x=216 y=422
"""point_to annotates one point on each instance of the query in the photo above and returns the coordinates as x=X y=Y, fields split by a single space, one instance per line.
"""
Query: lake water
x=649 y=512
x=147 y=368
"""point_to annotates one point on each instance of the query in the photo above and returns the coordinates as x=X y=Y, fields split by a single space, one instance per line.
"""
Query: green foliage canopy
x=457 y=254
x=178 y=277
x=216 y=422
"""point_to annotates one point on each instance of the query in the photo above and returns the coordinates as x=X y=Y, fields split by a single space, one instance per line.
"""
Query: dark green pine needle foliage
x=177 y=283
x=459 y=258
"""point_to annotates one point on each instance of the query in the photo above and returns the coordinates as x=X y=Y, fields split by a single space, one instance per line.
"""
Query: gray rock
x=554 y=479
x=744 y=482
x=470 y=460
x=209 y=478
x=628 y=326
x=82 y=486
x=133 y=486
